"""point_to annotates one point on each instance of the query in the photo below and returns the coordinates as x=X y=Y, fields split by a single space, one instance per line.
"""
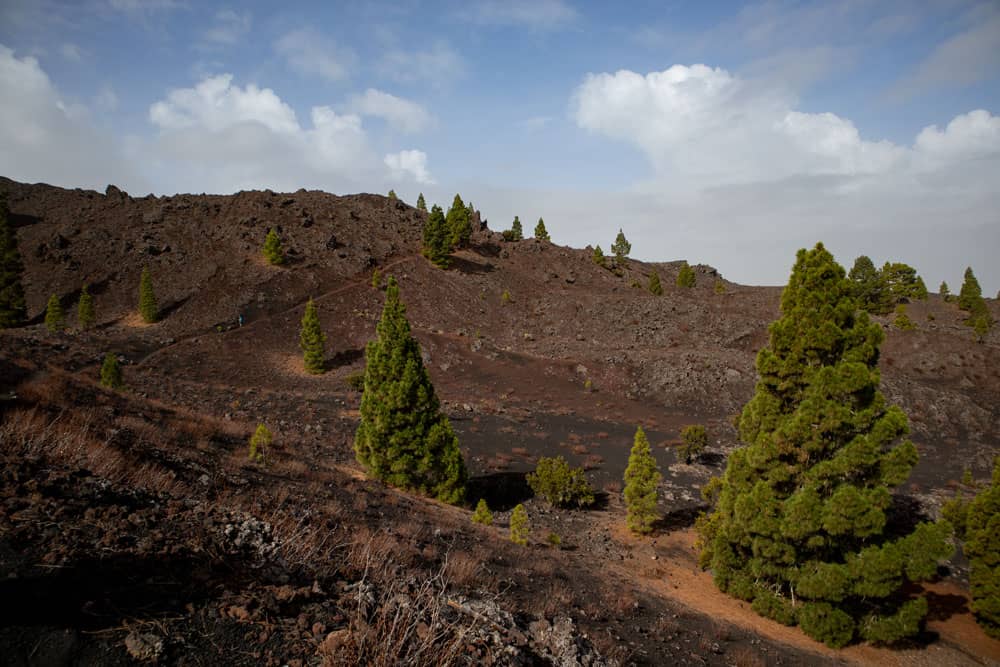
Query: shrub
x=520 y=528
x=598 y=257
x=694 y=440
x=377 y=279
x=111 y=372
x=588 y=385
x=148 y=308
x=356 y=381
x=85 y=309
x=273 y=252
x=903 y=321
x=686 y=277
x=505 y=298
x=482 y=515
x=554 y=540
x=560 y=485
x=720 y=287
x=260 y=444
x=654 y=284
x=55 y=317
x=392 y=195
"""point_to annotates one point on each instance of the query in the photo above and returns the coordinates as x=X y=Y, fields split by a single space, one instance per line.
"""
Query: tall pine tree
x=421 y=203
x=686 y=277
x=273 y=252
x=654 y=284
x=800 y=524
x=85 y=309
x=641 y=480
x=55 y=316
x=516 y=231
x=437 y=238
x=13 y=310
x=312 y=340
x=868 y=287
x=404 y=439
x=621 y=247
x=970 y=297
x=541 y=233
x=459 y=223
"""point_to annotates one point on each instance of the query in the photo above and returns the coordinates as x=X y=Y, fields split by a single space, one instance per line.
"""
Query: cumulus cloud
x=310 y=53
x=44 y=138
x=402 y=115
x=412 y=163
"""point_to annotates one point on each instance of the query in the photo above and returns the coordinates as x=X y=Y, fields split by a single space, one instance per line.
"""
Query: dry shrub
x=746 y=656
x=461 y=568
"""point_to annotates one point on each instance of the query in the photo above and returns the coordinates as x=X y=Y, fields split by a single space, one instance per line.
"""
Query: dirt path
x=675 y=574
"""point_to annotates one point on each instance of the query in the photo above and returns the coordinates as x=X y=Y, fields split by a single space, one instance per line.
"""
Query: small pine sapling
x=560 y=485
x=482 y=515
x=312 y=340
x=421 y=203
x=260 y=444
x=720 y=287
x=520 y=527
x=902 y=320
x=111 y=372
x=273 y=252
x=655 y=287
x=540 y=232
x=55 y=317
x=686 y=277
x=598 y=257
x=641 y=481
x=85 y=309
x=392 y=195
x=148 y=308
x=377 y=279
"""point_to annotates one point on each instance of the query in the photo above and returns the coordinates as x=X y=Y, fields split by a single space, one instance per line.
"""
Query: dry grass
x=746 y=656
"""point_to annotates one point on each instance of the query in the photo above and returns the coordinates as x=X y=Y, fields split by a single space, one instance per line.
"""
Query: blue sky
x=724 y=133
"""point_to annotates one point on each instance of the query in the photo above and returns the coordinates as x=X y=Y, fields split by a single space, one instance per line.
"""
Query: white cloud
x=229 y=28
x=308 y=52
x=410 y=163
x=537 y=14
x=106 y=99
x=215 y=104
x=44 y=138
x=403 y=115
x=438 y=66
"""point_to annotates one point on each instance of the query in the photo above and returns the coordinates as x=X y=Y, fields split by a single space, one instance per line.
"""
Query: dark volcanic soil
x=121 y=532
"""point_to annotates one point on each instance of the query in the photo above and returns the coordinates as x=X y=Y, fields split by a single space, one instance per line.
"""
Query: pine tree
x=654 y=284
x=516 y=231
x=868 y=287
x=273 y=252
x=540 y=232
x=902 y=320
x=437 y=238
x=982 y=547
x=944 y=291
x=260 y=443
x=404 y=439
x=459 y=224
x=620 y=248
x=520 y=528
x=392 y=195
x=971 y=295
x=85 y=309
x=111 y=372
x=641 y=481
x=421 y=204
x=55 y=317
x=148 y=308
x=919 y=290
x=13 y=310
x=686 y=277
x=800 y=522
x=312 y=340
x=599 y=257
x=482 y=515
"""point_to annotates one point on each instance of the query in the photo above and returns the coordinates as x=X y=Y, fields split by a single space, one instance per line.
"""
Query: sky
x=730 y=134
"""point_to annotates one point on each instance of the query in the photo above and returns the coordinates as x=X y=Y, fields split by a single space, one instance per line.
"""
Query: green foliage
x=971 y=295
x=459 y=224
x=588 y=385
x=981 y=324
x=13 y=310
x=505 y=298
x=641 y=481
x=85 y=309
x=520 y=528
x=312 y=341
x=540 y=232
x=902 y=320
x=599 y=257
x=356 y=381
x=421 y=203
x=148 y=308
x=55 y=317
x=260 y=444
x=437 y=238
x=392 y=195
x=516 y=232
x=977 y=523
x=719 y=287
x=111 y=372
x=902 y=282
x=559 y=484
x=621 y=247
x=482 y=515
x=404 y=439
x=654 y=284
x=554 y=540
x=377 y=278
x=273 y=252
x=686 y=277
x=694 y=440
x=868 y=287
x=944 y=291
x=801 y=514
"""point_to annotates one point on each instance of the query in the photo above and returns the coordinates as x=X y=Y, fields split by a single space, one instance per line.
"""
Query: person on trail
x=241 y=319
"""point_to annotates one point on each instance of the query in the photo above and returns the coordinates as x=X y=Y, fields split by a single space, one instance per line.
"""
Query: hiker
x=241 y=319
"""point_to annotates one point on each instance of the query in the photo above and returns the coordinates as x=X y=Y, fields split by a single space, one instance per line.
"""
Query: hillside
x=160 y=468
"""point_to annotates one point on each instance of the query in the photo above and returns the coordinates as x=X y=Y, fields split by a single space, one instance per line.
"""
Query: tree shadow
x=680 y=518
x=344 y=358
x=711 y=459
x=172 y=307
x=903 y=516
x=466 y=266
x=502 y=491
x=486 y=249
x=942 y=606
